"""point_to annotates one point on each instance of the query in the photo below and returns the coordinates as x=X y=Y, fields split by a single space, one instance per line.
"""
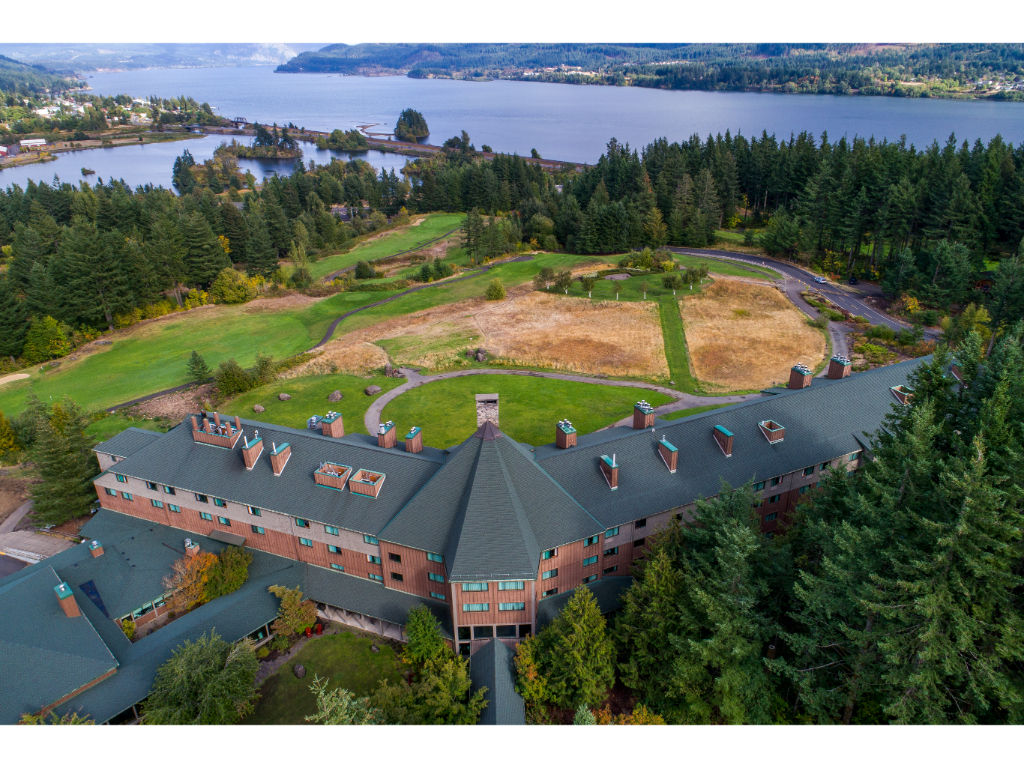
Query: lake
x=563 y=122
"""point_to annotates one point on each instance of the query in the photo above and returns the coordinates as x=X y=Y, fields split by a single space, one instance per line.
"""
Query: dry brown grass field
x=747 y=335
x=528 y=328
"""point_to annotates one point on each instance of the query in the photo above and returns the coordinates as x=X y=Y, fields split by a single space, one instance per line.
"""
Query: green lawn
x=675 y=346
x=112 y=424
x=692 y=411
x=345 y=659
x=529 y=407
x=309 y=396
x=433 y=226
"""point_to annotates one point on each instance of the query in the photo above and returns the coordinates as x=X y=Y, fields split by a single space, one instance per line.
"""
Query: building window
x=255 y=512
x=301 y=523
x=168 y=490
x=823 y=466
x=776 y=480
x=127 y=496
x=610 y=569
x=639 y=543
x=505 y=585
x=611 y=532
x=511 y=606
x=338 y=567
x=771 y=516
x=437 y=595
x=475 y=607
x=397 y=576
x=589 y=560
x=223 y=521
x=591 y=540
x=612 y=551
x=121 y=478
x=257 y=529
x=156 y=503
x=333 y=549
x=436 y=577
x=475 y=586
x=641 y=523
x=590 y=578
x=201 y=497
x=808 y=471
x=377 y=577
x=151 y=485
x=549 y=574
x=206 y=516
x=368 y=539
x=110 y=491
x=853 y=456
x=550 y=592
x=804 y=489
x=774 y=499
x=306 y=542
x=758 y=486
x=549 y=553
x=174 y=508
x=373 y=559
x=394 y=558
x=434 y=558
x=331 y=530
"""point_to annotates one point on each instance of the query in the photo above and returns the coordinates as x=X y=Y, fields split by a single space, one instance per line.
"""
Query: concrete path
x=31 y=547
x=415 y=379
x=12 y=520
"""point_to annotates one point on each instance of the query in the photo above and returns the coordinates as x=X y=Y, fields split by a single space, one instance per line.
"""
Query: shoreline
x=34 y=157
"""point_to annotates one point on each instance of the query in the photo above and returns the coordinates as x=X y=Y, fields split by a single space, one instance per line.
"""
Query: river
x=563 y=122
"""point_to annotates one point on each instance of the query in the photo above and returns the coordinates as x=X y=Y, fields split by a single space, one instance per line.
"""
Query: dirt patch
x=12 y=377
x=175 y=405
x=745 y=335
x=529 y=328
x=358 y=357
x=280 y=303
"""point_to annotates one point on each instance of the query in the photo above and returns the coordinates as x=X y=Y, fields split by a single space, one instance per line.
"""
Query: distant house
x=342 y=212
x=28 y=144
x=3 y=151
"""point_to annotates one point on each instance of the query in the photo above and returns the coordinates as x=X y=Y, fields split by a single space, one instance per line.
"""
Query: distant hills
x=85 y=57
x=19 y=77
x=962 y=70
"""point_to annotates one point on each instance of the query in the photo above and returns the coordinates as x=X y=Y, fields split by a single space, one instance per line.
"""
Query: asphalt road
x=9 y=565
x=848 y=299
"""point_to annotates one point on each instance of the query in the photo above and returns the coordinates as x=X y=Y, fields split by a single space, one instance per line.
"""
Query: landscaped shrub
x=881 y=332
x=232 y=287
x=231 y=379
x=228 y=573
x=495 y=290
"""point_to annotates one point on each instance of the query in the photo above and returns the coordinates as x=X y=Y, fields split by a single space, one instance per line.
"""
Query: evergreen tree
x=197 y=368
x=13 y=320
x=424 y=639
x=44 y=341
x=62 y=453
x=204 y=258
x=340 y=707
x=9 y=445
x=577 y=656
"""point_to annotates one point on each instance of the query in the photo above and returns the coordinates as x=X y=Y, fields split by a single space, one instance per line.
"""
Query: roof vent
x=838 y=367
x=565 y=434
x=724 y=439
x=902 y=393
x=610 y=470
x=800 y=376
x=773 y=431
x=387 y=435
x=643 y=415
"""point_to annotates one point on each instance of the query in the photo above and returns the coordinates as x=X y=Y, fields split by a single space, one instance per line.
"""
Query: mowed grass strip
x=432 y=226
x=345 y=659
x=692 y=411
x=529 y=407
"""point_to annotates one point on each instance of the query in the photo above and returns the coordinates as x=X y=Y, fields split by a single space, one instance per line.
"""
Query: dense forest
x=995 y=70
x=20 y=78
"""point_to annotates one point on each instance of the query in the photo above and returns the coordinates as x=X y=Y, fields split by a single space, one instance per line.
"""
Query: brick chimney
x=387 y=435
x=669 y=454
x=332 y=475
x=279 y=456
x=838 y=367
x=724 y=439
x=565 y=434
x=902 y=393
x=610 y=470
x=773 y=431
x=800 y=376
x=643 y=415
x=251 y=449
x=95 y=548
x=414 y=440
x=191 y=548
x=222 y=434
x=332 y=425
x=67 y=600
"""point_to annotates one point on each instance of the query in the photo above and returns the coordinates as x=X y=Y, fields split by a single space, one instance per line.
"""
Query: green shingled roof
x=491 y=667
x=128 y=442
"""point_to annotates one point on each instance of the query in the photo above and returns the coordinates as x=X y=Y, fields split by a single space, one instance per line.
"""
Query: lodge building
x=492 y=534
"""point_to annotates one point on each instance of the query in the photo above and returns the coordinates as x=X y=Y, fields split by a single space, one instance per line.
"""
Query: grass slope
x=675 y=346
x=446 y=410
x=345 y=659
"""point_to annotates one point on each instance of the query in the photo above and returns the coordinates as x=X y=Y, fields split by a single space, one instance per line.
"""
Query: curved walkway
x=414 y=379
x=415 y=248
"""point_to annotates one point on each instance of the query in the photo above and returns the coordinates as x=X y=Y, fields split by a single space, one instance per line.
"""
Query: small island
x=268 y=144
x=411 y=126
x=344 y=141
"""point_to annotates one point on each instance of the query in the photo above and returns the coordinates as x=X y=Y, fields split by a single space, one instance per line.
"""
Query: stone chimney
x=669 y=454
x=67 y=600
x=487 y=409
x=643 y=415
x=773 y=431
x=332 y=425
x=252 y=449
x=724 y=439
x=95 y=548
x=610 y=470
x=800 y=376
x=565 y=434
x=387 y=435
x=414 y=440
x=838 y=367
x=279 y=456
x=191 y=548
